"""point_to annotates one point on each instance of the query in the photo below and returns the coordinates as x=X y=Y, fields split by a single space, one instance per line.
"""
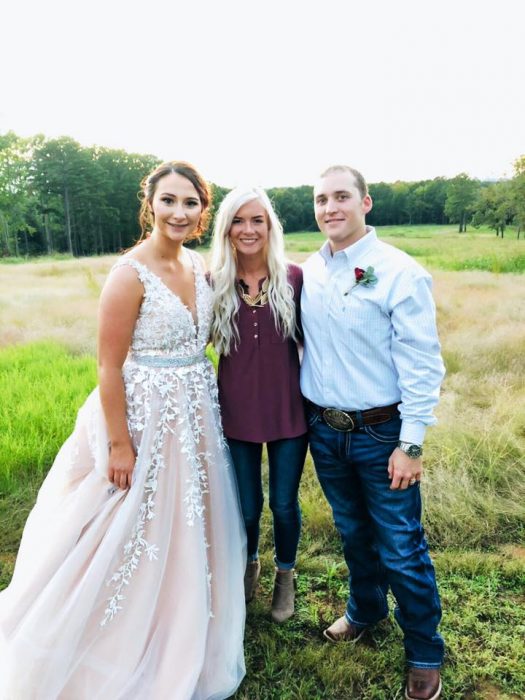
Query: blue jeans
x=383 y=540
x=286 y=460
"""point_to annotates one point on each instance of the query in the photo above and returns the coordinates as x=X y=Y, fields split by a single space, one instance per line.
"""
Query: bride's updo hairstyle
x=149 y=185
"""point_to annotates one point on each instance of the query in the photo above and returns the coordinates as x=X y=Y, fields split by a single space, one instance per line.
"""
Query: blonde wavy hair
x=223 y=272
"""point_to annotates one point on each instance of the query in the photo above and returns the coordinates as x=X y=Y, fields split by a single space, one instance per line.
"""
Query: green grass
x=42 y=386
x=471 y=480
x=474 y=487
x=483 y=625
x=438 y=247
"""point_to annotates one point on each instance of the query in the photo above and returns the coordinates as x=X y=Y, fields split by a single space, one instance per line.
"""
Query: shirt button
x=256 y=336
x=256 y=324
x=254 y=311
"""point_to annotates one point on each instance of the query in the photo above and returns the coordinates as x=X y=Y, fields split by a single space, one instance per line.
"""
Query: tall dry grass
x=52 y=301
x=477 y=451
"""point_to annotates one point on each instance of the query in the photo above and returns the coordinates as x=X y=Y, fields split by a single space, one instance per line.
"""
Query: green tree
x=217 y=195
x=60 y=176
x=462 y=194
x=115 y=219
x=90 y=193
x=57 y=195
x=517 y=194
x=433 y=196
x=495 y=207
x=16 y=201
x=294 y=206
x=382 y=212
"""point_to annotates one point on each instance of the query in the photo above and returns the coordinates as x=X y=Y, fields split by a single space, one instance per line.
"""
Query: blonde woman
x=255 y=329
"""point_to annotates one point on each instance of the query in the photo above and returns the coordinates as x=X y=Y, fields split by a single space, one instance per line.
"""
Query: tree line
x=58 y=196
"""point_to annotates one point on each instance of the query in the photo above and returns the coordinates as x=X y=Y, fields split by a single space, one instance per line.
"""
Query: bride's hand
x=121 y=463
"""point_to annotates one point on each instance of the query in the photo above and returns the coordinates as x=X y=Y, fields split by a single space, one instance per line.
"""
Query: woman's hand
x=121 y=464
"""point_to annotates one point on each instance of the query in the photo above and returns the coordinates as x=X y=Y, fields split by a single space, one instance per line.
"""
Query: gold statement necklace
x=259 y=299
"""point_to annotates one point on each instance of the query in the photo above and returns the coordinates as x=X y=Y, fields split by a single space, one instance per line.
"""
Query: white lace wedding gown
x=135 y=595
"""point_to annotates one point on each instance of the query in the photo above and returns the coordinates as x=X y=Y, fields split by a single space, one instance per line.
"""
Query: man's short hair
x=359 y=179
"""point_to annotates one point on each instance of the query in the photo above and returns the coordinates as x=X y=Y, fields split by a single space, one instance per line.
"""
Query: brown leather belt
x=346 y=421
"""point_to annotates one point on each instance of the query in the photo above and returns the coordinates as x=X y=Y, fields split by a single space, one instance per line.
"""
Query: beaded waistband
x=168 y=360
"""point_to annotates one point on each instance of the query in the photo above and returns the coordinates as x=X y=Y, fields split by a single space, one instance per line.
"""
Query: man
x=370 y=375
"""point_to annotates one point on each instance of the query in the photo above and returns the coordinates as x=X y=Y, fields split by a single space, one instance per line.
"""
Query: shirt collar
x=351 y=252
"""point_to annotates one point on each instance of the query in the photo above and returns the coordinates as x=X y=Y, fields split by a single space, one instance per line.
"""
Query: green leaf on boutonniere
x=365 y=278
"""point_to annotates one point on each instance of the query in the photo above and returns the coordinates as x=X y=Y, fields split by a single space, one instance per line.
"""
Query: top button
x=254 y=311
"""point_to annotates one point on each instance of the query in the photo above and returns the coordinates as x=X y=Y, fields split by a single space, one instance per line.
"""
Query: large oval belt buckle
x=338 y=420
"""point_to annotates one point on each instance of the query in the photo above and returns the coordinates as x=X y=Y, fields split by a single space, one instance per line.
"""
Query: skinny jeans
x=286 y=461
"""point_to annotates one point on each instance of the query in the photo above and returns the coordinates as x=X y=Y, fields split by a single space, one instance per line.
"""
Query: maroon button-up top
x=259 y=389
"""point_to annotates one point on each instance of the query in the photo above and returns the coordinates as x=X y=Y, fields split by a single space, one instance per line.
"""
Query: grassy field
x=438 y=247
x=474 y=484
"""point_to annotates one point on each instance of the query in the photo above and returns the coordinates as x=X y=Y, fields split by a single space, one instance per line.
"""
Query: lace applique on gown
x=136 y=595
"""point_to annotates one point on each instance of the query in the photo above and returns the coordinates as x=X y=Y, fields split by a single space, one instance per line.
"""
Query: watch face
x=414 y=451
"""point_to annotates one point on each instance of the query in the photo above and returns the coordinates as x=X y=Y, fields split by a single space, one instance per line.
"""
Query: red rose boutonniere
x=365 y=278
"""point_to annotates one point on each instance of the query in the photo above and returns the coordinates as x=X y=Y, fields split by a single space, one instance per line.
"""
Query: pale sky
x=272 y=92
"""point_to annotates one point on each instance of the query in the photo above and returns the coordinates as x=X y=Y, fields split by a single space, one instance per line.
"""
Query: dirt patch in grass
x=514 y=551
x=488 y=691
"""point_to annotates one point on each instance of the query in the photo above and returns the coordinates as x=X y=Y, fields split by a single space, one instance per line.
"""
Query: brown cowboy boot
x=423 y=684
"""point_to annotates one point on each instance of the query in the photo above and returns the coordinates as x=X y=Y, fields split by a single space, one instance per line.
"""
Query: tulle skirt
x=132 y=594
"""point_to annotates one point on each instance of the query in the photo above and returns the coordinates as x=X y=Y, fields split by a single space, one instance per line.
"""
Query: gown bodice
x=165 y=325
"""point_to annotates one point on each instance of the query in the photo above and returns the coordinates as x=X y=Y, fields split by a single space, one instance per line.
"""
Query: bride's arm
x=119 y=307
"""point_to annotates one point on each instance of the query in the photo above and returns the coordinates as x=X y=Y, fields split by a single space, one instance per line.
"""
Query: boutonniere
x=365 y=278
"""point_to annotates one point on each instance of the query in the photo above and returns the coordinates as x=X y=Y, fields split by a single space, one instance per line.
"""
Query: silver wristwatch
x=413 y=451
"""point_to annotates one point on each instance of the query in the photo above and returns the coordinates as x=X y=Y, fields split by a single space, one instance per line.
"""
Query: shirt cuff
x=413 y=432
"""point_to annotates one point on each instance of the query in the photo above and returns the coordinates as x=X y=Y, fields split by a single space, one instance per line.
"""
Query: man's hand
x=403 y=470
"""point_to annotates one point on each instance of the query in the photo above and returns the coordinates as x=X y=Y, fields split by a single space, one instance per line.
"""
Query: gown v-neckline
x=194 y=316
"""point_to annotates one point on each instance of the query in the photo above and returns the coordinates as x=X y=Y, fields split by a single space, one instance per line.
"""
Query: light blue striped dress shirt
x=371 y=346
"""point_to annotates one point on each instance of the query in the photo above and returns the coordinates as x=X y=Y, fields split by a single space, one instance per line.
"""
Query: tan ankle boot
x=251 y=576
x=283 y=595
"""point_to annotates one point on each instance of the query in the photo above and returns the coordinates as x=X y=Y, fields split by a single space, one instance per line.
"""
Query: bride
x=129 y=579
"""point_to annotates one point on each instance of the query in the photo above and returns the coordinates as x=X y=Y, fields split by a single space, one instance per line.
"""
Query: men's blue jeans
x=285 y=460
x=383 y=540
